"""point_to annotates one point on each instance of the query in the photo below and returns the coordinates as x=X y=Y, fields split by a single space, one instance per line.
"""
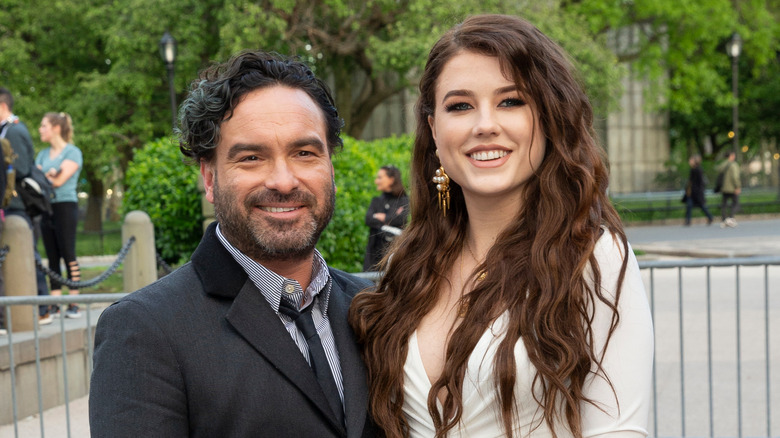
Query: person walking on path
x=732 y=187
x=61 y=162
x=251 y=337
x=694 y=191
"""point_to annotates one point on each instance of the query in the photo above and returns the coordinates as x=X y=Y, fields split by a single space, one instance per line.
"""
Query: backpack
x=8 y=187
x=719 y=180
x=36 y=192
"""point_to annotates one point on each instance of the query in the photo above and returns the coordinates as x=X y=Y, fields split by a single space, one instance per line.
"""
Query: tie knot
x=302 y=318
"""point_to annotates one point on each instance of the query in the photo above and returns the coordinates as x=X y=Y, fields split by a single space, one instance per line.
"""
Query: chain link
x=160 y=262
x=81 y=284
x=3 y=253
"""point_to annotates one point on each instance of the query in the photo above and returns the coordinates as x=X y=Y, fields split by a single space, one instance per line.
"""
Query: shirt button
x=290 y=289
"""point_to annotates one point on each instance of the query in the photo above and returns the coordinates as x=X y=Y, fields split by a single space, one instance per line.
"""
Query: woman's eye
x=512 y=102
x=459 y=106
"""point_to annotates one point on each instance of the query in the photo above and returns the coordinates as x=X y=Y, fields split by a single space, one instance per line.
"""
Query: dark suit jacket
x=200 y=353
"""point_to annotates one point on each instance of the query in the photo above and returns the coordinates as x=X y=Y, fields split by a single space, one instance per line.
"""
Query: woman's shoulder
x=41 y=156
x=72 y=152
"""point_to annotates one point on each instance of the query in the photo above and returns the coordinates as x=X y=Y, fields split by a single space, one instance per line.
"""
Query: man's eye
x=249 y=158
x=458 y=106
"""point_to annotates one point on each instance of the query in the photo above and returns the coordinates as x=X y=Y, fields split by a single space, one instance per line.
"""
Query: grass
x=641 y=208
x=113 y=284
x=88 y=243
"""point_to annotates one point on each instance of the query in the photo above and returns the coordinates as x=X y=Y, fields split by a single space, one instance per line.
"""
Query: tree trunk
x=342 y=78
x=93 y=218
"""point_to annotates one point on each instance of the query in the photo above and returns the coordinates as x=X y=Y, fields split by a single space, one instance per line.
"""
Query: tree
x=681 y=49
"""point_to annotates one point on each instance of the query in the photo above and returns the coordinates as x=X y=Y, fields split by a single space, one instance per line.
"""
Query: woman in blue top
x=61 y=162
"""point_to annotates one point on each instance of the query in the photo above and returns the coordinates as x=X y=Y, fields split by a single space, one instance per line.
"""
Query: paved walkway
x=754 y=237
x=751 y=237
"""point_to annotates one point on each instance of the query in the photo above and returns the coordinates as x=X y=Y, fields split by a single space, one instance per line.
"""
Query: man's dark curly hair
x=220 y=88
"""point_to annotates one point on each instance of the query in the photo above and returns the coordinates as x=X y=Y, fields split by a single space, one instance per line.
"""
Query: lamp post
x=733 y=47
x=168 y=54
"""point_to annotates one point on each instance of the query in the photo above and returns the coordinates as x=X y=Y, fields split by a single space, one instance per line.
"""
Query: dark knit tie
x=317 y=357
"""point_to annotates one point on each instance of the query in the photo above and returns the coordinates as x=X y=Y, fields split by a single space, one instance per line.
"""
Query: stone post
x=19 y=270
x=140 y=267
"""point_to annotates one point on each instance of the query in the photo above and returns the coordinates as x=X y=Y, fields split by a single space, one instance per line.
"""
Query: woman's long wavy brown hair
x=537 y=267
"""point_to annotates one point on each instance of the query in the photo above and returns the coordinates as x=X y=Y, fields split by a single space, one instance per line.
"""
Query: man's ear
x=209 y=176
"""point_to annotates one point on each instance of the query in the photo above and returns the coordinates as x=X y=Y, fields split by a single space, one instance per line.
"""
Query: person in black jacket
x=694 y=191
x=16 y=132
x=386 y=215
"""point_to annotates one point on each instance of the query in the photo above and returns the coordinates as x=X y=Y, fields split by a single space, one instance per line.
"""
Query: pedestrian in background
x=61 y=162
x=694 y=191
x=730 y=190
x=386 y=215
x=15 y=131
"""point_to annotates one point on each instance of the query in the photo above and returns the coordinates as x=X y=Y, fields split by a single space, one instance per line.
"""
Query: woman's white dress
x=628 y=363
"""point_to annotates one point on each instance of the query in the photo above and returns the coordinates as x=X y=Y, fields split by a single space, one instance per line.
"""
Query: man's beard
x=262 y=238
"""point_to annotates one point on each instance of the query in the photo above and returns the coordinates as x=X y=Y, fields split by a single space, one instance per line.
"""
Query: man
x=15 y=131
x=210 y=350
x=732 y=187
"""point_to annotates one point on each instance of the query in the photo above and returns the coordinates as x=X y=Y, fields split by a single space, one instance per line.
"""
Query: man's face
x=271 y=178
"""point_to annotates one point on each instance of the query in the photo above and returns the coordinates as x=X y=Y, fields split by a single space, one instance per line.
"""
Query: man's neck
x=298 y=269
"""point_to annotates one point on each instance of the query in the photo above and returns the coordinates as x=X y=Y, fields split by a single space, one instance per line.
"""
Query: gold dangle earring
x=442 y=181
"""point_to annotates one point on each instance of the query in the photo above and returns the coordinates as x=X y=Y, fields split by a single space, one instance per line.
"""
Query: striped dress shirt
x=274 y=288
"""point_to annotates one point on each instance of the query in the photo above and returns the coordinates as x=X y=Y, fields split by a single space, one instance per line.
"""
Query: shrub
x=159 y=183
x=343 y=243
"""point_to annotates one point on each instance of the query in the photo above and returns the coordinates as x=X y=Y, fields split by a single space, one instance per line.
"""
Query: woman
x=389 y=210
x=694 y=191
x=512 y=304
x=61 y=162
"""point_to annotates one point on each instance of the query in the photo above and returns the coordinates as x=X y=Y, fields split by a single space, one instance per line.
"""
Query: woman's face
x=46 y=130
x=383 y=182
x=488 y=138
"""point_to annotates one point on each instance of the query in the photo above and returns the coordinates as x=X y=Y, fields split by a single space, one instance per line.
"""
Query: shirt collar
x=273 y=286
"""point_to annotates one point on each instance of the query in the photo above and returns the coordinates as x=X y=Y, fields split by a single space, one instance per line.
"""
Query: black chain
x=3 y=253
x=81 y=284
x=160 y=262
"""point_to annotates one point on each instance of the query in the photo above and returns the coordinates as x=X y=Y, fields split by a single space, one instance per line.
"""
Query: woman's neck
x=487 y=219
x=58 y=143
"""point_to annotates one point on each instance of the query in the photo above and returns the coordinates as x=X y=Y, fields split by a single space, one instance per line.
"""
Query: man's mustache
x=274 y=197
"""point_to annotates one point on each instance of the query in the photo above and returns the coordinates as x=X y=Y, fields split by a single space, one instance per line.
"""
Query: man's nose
x=282 y=177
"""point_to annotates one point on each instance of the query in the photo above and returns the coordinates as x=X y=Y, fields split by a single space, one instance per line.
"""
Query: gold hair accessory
x=442 y=181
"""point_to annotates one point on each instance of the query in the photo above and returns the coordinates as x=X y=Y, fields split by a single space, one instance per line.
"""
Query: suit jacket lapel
x=352 y=367
x=252 y=317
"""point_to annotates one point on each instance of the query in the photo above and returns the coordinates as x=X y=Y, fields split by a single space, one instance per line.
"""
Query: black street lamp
x=168 y=54
x=733 y=48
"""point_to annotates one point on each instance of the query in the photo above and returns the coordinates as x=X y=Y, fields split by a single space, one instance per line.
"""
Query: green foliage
x=343 y=243
x=159 y=183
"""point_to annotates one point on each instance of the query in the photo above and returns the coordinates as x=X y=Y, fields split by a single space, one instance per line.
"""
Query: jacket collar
x=252 y=317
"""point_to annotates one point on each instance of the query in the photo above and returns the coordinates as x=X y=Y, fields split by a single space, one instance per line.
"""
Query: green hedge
x=159 y=183
x=343 y=243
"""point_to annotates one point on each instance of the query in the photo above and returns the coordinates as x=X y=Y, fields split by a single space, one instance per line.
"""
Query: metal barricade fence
x=716 y=363
x=715 y=367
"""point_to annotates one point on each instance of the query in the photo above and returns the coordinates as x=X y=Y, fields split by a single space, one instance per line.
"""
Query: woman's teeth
x=488 y=155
